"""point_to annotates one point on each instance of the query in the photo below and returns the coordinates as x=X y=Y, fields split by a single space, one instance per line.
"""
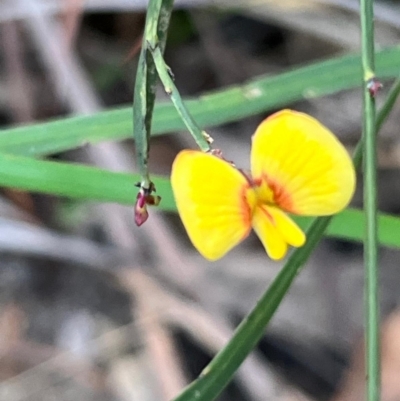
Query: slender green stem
x=370 y=202
x=221 y=369
x=141 y=124
x=201 y=137
x=156 y=28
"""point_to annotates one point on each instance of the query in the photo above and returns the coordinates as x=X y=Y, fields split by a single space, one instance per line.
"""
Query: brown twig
x=158 y=340
x=260 y=383
x=20 y=94
x=73 y=12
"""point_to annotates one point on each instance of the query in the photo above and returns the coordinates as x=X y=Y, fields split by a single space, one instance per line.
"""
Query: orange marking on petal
x=248 y=203
x=282 y=197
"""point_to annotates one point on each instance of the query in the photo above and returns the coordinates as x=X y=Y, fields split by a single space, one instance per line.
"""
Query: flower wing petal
x=305 y=165
x=214 y=201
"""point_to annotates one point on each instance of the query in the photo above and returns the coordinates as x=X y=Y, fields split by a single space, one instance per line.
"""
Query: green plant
x=19 y=168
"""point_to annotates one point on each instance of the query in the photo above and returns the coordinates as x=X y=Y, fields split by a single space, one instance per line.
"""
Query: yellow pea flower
x=297 y=166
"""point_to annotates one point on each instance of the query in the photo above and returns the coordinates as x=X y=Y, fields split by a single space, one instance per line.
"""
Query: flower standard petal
x=214 y=200
x=303 y=163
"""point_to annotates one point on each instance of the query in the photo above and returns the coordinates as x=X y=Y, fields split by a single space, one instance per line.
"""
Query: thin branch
x=158 y=341
x=370 y=89
x=201 y=137
x=157 y=21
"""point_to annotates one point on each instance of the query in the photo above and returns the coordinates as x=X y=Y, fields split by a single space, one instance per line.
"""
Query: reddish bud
x=144 y=198
x=374 y=86
x=141 y=213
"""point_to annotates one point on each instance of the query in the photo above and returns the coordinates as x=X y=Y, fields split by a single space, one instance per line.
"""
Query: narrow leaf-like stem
x=156 y=28
x=141 y=124
x=202 y=139
x=221 y=369
x=258 y=95
x=370 y=86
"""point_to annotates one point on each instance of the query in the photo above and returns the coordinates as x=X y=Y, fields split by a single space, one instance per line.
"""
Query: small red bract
x=374 y=86
x=144 y=198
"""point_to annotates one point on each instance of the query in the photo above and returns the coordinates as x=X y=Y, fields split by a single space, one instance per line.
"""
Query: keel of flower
x=276 y=231
x=297 y=166
x=144 y=198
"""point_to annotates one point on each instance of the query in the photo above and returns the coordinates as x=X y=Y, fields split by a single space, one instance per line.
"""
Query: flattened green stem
x=258 y=95
x=141 y=120
x=202 y=139
x=372 y=354
x=219 y=372
x=156 y=28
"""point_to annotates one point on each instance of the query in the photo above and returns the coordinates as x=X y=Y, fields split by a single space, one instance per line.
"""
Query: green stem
x=202 y=139
x=370 y=203
x=141 y=122
x=156 y=28
x=220 y=370
x=208 y=386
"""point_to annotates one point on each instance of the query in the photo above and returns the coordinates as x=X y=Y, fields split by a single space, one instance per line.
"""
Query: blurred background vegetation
x=94 y=308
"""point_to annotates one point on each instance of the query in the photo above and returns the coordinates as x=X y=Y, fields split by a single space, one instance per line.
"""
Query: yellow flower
x=297 y=166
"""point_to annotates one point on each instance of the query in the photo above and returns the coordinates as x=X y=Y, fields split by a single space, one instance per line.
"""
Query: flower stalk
x=201 y=137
